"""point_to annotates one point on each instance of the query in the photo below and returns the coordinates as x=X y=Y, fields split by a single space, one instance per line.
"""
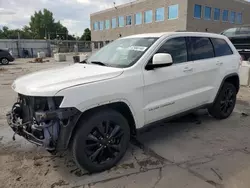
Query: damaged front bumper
x=40 y=121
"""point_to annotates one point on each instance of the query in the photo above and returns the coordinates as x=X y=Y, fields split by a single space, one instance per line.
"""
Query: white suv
x=94 y=107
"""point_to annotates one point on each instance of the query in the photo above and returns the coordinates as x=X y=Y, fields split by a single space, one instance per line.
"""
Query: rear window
x=221 y=47
x=201 y=48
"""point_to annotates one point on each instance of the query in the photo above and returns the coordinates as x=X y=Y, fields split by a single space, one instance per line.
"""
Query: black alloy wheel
x=103 y=143
x=224 y=104
x=227 y=101
x=101 y=140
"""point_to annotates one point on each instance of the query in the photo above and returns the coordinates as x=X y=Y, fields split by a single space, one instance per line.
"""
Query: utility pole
x=18 y=44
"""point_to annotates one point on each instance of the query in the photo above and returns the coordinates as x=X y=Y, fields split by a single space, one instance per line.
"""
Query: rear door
x=226 y=59
x=206 y=70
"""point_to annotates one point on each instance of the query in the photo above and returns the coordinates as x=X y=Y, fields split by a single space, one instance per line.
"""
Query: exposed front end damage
x=42 y=122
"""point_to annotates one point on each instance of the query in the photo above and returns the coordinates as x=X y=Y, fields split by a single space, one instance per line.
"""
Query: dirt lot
x=193 y=152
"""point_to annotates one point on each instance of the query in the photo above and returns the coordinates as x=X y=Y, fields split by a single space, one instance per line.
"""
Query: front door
x=168 y=90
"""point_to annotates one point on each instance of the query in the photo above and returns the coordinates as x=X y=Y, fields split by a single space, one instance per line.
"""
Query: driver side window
x=177 y=48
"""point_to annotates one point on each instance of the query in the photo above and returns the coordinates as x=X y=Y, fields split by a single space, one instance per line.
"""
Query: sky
x=74 y=14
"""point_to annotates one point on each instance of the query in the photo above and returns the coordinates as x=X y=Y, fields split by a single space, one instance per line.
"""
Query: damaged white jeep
x=94 y=107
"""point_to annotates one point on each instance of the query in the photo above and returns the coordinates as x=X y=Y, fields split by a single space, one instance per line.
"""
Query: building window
x=138 y=18
x=225 y=16
x=101 y=25
x=113 y=23
x=128 y=20
x=107 y=24
x=96 y=26
x=159 y=14
x=216 y=14
x=121 y=21
x=207 y=15
x=148 y=16
x=239 y=18
x=197 y=11
x=232 y=17
x=173 y=12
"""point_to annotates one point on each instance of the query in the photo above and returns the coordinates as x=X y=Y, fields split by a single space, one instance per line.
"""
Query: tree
x=43 y=25
x=86 y=35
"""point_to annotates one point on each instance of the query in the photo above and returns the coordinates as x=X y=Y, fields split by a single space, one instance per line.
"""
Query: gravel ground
x=193 y=151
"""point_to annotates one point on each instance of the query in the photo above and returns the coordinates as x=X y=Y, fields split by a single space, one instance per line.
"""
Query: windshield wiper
x=98 y=63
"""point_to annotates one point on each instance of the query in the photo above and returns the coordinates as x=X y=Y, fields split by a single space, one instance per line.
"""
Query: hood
x=49 y=82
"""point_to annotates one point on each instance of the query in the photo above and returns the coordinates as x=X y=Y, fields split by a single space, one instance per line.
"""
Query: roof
x=144 y=35
x=158 y=35
x=139 y=1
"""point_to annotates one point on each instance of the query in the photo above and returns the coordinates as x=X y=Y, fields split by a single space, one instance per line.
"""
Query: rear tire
x=4 y=61
x=101 y=140
x=224 y=104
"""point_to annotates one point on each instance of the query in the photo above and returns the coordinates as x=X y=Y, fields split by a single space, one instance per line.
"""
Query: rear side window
x=177 y=48
x=221 y=47
x=201 y=48
x=244 y=31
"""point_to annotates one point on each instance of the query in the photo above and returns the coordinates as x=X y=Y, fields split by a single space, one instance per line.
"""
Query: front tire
x=4 y=61
x=224 y=103
x=100 y=141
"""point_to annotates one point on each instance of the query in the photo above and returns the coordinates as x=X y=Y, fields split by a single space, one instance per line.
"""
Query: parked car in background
x=5 y=57
x=240 y=37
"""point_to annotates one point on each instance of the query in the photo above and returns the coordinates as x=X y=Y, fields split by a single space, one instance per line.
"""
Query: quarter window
x=207 y=15
x=107 y=24
x=101 y=25
x=173 y=12
x=148 y=16
x=239 y=18
x=201 y=48
x=225 y=16
x=138 y=18
x=159 y=14
x=197 y=11
x=121 y=21
x=113 y=23
x=232 y=17
x=176 y=47
x=128 y=20
x=221 y=47
x=216 y=14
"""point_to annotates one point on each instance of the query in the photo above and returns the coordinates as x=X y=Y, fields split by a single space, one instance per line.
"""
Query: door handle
x=219 y=63
x=187 y=69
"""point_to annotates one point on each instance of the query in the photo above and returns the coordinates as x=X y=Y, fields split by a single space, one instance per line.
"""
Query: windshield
x=122 y=52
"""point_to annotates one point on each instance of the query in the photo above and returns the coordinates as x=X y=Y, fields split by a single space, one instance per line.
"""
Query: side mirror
x=160 y=60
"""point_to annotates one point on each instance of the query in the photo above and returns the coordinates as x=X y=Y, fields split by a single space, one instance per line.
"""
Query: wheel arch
x=120 y=106
x=231 y=78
